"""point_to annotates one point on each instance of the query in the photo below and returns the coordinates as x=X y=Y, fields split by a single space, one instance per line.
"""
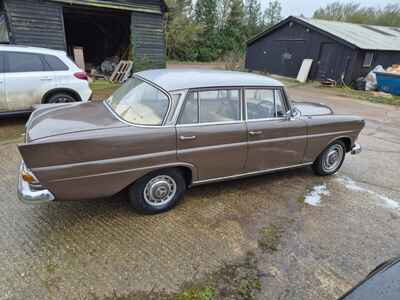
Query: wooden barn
x=102 y=28
x=340 y=51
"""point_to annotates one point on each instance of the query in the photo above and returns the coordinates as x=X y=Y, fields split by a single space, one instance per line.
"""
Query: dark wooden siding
x=383 y=58
x=148 y=39
x=282 y=52
x=36 y=23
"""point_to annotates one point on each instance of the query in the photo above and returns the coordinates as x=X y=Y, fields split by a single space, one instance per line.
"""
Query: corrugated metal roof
x=368 y=37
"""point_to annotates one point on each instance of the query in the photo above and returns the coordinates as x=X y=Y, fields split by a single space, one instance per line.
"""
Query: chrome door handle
x=255 y=133
x=187 y=138
x=46 y=79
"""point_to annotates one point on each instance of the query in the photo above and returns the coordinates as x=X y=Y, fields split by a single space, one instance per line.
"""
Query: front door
x=27 y=80
x=274 y=141
x=211 y=135
x=326 y=62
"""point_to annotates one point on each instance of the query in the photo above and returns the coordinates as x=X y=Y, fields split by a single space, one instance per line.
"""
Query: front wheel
x=157 y=192
x=330 y=161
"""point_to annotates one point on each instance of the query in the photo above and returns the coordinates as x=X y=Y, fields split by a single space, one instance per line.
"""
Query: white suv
x=30 y=76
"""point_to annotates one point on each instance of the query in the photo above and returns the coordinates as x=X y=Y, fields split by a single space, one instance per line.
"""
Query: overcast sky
x=307 y=7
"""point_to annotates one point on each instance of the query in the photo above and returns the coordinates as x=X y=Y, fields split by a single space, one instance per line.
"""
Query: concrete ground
x=312 y=237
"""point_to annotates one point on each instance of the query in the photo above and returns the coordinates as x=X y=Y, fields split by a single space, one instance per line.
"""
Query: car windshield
x=139 y=103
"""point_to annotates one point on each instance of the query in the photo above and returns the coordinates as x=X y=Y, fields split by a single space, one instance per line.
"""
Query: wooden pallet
x=122 y=71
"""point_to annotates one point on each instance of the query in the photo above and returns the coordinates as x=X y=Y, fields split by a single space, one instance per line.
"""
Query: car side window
x=264 y=104
x=219 y=106
x=24 y=62
x=55 y=63
x=190 y=113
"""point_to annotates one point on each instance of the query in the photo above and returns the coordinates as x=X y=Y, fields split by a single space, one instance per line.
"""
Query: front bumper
x=356 y=149
x=29 y=195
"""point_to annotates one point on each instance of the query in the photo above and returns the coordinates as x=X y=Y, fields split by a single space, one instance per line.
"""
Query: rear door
x=27 y=80
x=274 y=140
x=3 y=100
x=211 y=134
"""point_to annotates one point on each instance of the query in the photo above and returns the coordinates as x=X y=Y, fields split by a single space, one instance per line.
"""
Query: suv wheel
x=61 y=98
x=157 y=192
x=330 y=161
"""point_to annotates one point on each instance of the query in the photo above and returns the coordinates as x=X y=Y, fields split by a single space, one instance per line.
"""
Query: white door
x=3 y=99
x=27 y=80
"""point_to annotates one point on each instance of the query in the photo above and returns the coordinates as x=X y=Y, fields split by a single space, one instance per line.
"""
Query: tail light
x=81 y=75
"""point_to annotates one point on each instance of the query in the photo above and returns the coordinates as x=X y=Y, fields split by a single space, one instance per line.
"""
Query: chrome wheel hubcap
x=160 y=190
x=333 y=158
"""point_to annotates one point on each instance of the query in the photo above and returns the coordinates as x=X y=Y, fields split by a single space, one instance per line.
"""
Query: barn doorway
x=103 y=34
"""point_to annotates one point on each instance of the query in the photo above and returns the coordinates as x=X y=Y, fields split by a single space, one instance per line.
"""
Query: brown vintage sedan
x=167 y=130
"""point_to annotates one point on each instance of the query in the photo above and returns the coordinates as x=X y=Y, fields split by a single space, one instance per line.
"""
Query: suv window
x=211 y=106
x=264 y=104
x=24 y=62
x=55 y=63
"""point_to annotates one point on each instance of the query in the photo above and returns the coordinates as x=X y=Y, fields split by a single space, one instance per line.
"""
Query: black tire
x=61 y=98
x=140 y=195
x=327 y=157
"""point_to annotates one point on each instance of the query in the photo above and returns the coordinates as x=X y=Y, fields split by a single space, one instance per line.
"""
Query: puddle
x=314 y=196
x=353 y=186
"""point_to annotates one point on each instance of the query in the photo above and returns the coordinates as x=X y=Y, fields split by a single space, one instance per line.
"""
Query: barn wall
x=283 y=50
x=148 y=39
x=36 y=23
x=384 y=58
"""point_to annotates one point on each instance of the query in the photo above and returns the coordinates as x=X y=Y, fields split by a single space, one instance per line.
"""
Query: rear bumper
x=29 y=195
x=356 y=149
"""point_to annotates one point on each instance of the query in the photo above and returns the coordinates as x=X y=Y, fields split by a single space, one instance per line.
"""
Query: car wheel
x=330 y=161
x=61 y=98
x=157 y=192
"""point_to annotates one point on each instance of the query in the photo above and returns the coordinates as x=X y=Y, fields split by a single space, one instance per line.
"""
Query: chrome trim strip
x=210 y=124
x=30 y=196
x=211 y=148
x=199 y=182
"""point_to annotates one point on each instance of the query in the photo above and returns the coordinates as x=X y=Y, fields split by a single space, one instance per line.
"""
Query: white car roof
x=29 y=49
x=178 y=79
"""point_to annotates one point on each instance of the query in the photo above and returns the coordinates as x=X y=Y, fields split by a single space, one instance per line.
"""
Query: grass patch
x=238 y=281
x=365 y=95
x=270 y=237
x=196 y=293
x=103 y=85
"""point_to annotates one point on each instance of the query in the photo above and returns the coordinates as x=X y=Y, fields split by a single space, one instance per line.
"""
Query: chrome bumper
x=356 y=149
x=32 y=196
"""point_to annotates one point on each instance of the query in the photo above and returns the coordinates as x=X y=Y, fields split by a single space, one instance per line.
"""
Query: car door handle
x=255 y=133
x=187 y=138
x=46 y=79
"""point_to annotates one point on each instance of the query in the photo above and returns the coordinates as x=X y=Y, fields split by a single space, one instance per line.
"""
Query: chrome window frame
x=166 y=93
x=274 y=89
x=197 y=90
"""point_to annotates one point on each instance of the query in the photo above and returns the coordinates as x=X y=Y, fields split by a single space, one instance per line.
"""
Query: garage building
x=340 y=51
x=128 y=29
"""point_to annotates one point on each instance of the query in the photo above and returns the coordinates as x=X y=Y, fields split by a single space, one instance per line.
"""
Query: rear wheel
x=157 y=192
x=61 y=98
x=330 y=161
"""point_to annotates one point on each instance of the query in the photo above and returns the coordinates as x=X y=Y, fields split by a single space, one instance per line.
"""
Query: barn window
x=368 y=58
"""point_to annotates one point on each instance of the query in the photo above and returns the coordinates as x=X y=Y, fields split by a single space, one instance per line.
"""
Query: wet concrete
x=99 y=249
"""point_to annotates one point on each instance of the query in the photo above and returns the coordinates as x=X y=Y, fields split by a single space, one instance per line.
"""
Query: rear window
x=24 y=62
x=55 y=63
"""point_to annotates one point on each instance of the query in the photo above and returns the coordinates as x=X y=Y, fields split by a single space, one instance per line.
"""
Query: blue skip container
x=388 y=82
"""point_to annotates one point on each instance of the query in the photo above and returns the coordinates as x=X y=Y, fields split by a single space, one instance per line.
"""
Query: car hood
x=49 y=120
x=312 y=109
